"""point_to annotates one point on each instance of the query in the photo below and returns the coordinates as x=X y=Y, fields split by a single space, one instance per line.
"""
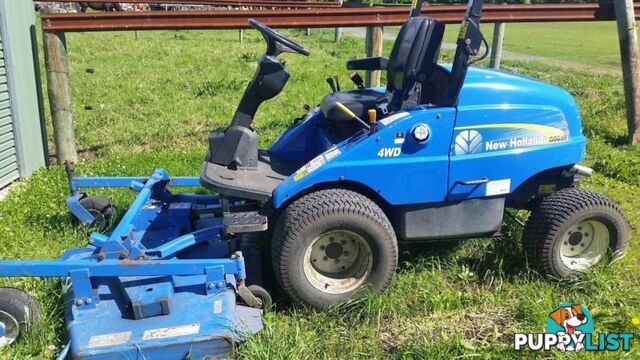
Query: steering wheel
x=276 y=42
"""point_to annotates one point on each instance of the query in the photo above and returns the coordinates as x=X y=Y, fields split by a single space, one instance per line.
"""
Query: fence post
x=241 y=35
x=374 y=40
x=338 y=34
x=307 y=31
x=630 y=65
x=496 y=46
x=59 y=90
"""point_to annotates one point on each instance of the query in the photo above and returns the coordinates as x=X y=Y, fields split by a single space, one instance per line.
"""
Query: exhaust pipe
x=581 y=170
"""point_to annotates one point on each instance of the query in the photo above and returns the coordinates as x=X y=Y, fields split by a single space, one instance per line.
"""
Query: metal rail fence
x=291 y=4
x=318 y=18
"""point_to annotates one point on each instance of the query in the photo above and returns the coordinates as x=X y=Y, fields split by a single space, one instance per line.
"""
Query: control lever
x=335 y=77
x=373 y=116
x=308 y=109
x=350 y=114
x=357 y=79
x=332 y=84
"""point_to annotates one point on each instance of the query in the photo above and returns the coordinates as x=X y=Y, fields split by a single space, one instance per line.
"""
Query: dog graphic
x=569 y=317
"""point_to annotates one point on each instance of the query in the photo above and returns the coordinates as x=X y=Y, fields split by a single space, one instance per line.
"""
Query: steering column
x=237 y=145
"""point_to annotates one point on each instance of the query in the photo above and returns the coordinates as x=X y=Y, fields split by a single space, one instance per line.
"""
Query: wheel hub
x=338 y=261
x=585 y=244
x=576 y=239
x=9 y=329
x=334 y=251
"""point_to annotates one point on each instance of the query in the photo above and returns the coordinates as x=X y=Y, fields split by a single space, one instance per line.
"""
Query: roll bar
x=468 y=45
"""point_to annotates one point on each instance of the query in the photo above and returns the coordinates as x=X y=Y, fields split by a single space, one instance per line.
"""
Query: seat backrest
x=413 y=58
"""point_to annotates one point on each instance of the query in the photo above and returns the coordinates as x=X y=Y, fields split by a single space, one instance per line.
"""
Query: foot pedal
x=244 y=222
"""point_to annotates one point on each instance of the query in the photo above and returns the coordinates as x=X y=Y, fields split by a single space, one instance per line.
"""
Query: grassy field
x=154 y=101
x=588 y=43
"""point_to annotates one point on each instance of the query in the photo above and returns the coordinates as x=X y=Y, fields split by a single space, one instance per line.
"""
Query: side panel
x=495 y=149
x=304 y=140
x=389 y=162
x=449 y=220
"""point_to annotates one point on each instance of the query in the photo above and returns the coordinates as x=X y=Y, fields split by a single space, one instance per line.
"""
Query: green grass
x=587 y=43
x=155 y=101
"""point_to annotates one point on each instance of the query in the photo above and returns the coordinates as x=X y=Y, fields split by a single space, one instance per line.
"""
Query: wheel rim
x=585 y=244
x=100 y=220
x=338 y=262
x=9 y=329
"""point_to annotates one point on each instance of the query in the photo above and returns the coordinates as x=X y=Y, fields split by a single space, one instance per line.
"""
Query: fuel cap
x=421 y=133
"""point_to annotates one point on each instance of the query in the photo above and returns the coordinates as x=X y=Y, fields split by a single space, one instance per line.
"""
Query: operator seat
x=413 y=59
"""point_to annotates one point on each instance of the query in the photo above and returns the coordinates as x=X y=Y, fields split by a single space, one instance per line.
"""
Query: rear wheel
x=18 y=312
x=573 y=230
x=330 y=244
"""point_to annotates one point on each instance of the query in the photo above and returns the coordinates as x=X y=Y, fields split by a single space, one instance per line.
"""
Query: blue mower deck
x=197 y=326
x=161 y=285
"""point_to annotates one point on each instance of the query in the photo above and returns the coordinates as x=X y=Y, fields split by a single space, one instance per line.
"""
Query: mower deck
x=196 y=324
x=255 y=183
x=163 y=284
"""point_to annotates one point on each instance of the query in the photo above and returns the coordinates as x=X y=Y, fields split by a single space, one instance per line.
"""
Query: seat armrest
x=370 y=63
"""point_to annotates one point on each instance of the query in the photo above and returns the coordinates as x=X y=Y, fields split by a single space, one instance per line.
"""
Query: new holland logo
x=468 y=142
x=570 y=328
x=508 y=136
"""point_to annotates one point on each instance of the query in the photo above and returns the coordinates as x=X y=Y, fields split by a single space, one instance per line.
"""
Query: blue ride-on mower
x=437 y=154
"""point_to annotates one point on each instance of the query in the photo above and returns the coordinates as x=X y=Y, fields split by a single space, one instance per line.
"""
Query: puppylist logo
x=570 y=328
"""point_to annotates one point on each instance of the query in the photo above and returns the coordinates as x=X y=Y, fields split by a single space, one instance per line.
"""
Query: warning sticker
x=498 y=187
x=331 y=153
x=389 y=119
x=174 y=331
x=316 y=163
x=310 y=167
x=217 y=307
x=109 y=339
x=546 y=189
x=463 y=30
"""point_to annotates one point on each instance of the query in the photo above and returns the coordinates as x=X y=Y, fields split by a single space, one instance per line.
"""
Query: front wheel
x=101 y=209
x=330 y=244
x=266 y=303
x=573 y=230
x=18 y=312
